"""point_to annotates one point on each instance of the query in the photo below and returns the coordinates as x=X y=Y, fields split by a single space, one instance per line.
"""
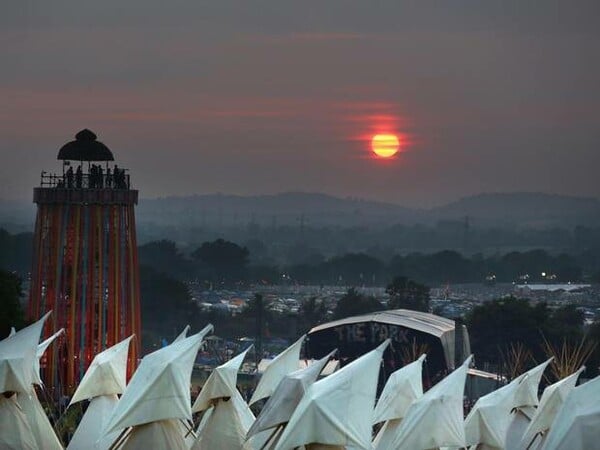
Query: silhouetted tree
x=226 y=259
x=313 y=311
x=164 y=256
x=408 y=294
x=354 y=304
x=11 y=313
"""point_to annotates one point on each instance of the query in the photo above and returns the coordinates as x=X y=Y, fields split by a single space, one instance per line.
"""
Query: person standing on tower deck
x=78 y=177
x=70 y=178
x=108 y=178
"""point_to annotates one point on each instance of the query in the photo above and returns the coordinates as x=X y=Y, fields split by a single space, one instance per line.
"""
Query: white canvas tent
x=41 y=349
x=494 y=414
x=282 y=403
x=286 y=362
x=402 y=388
x=226 y=426
x=103 y=380
x=183 y=334
x=106 y=374
x=576 y=424
x=15 y=432
x=160 y=388
x=221 y=383
x=551 y=401
x=18 y=354
x=337 y=410
x=436 y=419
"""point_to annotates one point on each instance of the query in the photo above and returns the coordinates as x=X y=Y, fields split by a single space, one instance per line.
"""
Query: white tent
x=337 y=410
x=576 y=424
x=41 y=428
x=226 y=426
x=286 y=362
x=281 y=404
x=103 y=380
x=221 y=383
x=527 y=394
x=183 y=334
x=402 y=388
x=489 y=419
x=436 y=419
x=41 y=349
x=89 y=432
x=527 y=398
x=107 y=374
x=18 y=354
x=15 y=432
x=160 y=388
x=551 y=401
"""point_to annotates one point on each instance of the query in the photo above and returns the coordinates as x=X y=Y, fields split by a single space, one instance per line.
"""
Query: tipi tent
x=436 y=419
x=281 y=404
x=403 y=387
x=576 y=424
x=286 y=362
x=159 y=390
x=337 y=410
x=226 y=426
x=103 y=380
x=552 y=399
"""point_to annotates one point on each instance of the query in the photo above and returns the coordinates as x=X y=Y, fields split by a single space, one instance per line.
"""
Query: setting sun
x=385 y=145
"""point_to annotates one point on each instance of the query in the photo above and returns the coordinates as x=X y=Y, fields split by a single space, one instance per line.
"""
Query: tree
x=166 y=305
x=227 y=260
x=11 y=313
x=354 y=304
x=164 y=256
x=312 y=312
x=502 y=323
x=408 y=294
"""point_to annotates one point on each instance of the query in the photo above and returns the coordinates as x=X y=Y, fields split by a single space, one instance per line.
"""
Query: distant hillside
x=284 y=209
x=523 y=209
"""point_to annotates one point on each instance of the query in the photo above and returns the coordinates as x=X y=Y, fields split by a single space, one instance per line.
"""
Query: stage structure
x=85 y=261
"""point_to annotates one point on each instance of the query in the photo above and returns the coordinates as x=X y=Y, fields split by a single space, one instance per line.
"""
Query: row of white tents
x=154 y=410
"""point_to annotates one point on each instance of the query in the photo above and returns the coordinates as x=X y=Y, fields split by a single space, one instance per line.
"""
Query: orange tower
x=85 y=261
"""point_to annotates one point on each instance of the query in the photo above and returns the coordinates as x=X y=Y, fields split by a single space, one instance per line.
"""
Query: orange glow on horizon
x=385 y=145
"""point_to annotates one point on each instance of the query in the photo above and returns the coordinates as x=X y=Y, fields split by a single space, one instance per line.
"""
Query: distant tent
x=576 y=424
x=403 y=387
x=337 y=410
x=552 y=399
x=103 y=380
x=286 y=362
x=436 y=419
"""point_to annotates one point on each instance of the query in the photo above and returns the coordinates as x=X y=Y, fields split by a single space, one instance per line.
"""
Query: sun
x=385 y=145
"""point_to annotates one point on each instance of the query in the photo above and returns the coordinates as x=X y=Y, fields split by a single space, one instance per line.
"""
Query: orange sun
x=385 y=145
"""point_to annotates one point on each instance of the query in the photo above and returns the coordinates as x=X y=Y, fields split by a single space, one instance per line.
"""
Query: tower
x=85 y=262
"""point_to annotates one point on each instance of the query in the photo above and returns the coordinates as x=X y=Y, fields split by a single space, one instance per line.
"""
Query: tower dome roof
x=85 y=147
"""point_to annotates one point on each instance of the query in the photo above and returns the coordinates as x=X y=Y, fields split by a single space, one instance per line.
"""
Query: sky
x=267 y=96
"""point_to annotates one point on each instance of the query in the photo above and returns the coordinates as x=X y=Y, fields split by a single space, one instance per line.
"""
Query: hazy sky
x=251 y=97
